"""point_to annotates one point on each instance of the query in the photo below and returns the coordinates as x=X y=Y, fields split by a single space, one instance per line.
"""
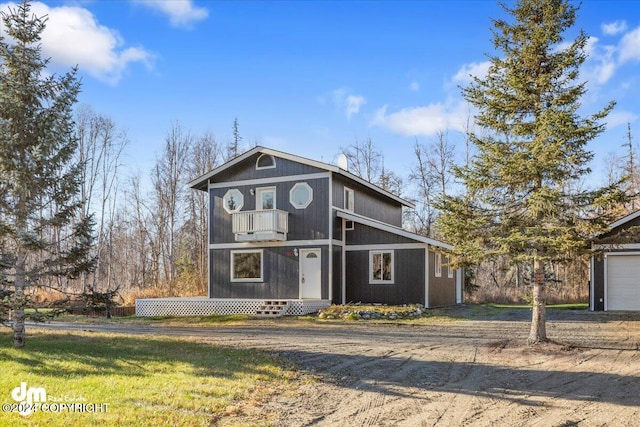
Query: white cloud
x=601 y=62
x=414 y=86
x=475 y=69
x=73 y=37
x=630 y=46
x=426 y=120
x=617 y=118
x=350 y=103
x=181 y=13
x=613 y=28
x=353 y=104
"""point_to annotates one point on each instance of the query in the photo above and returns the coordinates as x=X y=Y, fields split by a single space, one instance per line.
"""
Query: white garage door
x=623 y=282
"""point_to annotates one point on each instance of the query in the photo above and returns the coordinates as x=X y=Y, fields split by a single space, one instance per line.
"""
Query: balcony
x=260 y=226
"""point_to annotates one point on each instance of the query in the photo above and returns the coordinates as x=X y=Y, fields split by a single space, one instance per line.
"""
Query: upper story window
x=437 y=268
x=265 y=198
x=449 y=269
x=348 y=199
x=233 y=200
x=301 y=195
x=265 y=161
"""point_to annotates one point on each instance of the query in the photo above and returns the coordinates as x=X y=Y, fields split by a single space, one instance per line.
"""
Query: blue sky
x=310 y=77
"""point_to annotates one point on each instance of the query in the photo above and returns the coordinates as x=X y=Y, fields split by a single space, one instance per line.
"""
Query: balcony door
x=310 y=274
x=265 y=198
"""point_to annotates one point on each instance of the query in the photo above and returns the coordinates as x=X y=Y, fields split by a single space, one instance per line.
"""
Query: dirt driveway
x=448 y=372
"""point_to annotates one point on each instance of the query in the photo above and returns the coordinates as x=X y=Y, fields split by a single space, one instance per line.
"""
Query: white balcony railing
x=263 y=225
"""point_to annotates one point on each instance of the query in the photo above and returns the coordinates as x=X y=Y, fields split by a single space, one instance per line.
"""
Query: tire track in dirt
x=462 y=372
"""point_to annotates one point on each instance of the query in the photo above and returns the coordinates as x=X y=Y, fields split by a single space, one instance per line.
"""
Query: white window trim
x=224 y=201
x=293 y=189
x=437 y=268
x=348 y=191
x=449 y=269
x=393 y=269
x=265 y=167
x=258 y=279
x=353 y=225
x=259 y=198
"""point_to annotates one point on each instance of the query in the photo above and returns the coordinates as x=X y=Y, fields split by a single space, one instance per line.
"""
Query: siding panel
x=367 y=202
x=408 y=286
x=442 y=290
x=280 y=273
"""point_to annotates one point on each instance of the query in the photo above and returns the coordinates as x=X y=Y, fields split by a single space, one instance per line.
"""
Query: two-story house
x=302 y=234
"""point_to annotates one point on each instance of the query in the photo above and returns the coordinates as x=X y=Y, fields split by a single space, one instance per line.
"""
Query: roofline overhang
x=201 y=182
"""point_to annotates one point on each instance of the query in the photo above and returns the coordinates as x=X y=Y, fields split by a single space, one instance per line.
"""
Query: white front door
x=310 y=274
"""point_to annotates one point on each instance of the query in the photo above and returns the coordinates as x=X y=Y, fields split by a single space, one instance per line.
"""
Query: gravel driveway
x=446 y=372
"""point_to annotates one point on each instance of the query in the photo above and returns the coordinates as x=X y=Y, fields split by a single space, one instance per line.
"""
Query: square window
x=246 y=266
x=265 y=198
x=381 y=269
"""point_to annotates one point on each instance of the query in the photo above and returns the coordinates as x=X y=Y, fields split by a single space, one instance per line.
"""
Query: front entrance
x=310 y=274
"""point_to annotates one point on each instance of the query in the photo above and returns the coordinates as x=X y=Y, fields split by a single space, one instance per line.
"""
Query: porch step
x=273 y=308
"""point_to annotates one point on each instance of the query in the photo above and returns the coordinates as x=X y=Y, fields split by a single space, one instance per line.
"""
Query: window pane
x=233 y=200
x=267 y=201
x=386 y=274
x=377 y=266
x=300 y=196
x=246 y=265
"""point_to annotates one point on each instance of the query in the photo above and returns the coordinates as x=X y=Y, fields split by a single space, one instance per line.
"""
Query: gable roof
x=625 y=219
x=201 y=182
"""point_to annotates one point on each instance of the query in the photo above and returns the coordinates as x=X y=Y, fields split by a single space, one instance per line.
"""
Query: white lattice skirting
x=207 y=306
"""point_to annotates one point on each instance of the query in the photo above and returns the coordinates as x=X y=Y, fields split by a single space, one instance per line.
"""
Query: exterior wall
x=442 y=290
x=336 y=290
x=367 y=202
x=408 y=286
x=247 y=170
x=596 y=289
x=365 y=235
x=304 y=224
x=281 y=271
x=598 y=284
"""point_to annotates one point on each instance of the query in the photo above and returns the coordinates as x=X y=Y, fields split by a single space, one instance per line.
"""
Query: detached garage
x=615 y=272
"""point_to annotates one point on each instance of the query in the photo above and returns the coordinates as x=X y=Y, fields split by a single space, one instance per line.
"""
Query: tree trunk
x=18 y=319
x=538 y=331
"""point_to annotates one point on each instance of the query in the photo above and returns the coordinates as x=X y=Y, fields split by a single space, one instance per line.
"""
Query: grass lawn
x=143 y=381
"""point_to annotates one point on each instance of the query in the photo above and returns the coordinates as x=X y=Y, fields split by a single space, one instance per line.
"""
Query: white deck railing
x=269 y=224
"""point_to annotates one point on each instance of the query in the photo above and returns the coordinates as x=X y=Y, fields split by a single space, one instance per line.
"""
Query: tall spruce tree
x=530 y=152
x=41 y=235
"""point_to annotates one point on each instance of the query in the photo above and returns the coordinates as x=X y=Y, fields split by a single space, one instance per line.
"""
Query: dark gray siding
x=280 y=274
x=598 y=283
x=365 y=235
x=408 y=286
x=337 y=276
x=304 y=224
x=442 y=290
x=367 y=202
x=247 y=170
